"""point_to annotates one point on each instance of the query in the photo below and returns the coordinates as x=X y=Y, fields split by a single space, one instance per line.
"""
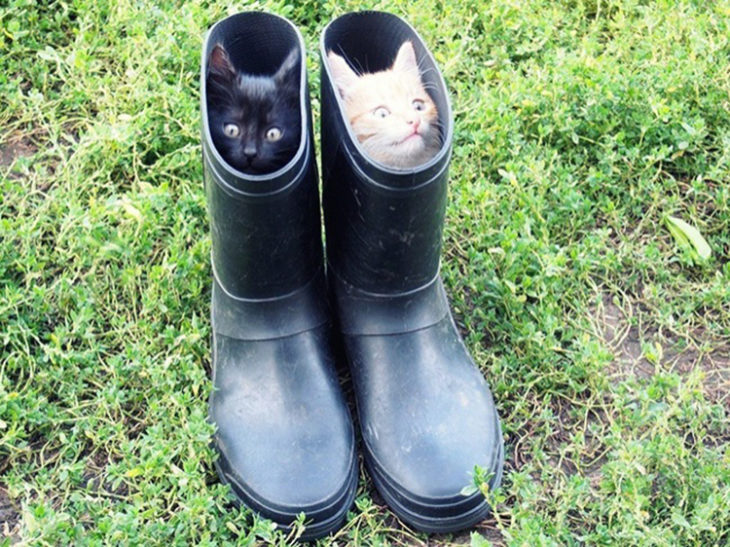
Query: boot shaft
x=384 y=225
x=265 y=229
x=265 y=246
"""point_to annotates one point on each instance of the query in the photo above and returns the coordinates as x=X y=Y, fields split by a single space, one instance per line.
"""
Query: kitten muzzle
x=409 y=138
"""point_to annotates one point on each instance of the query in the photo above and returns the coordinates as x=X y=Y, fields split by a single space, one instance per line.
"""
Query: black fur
x=255 y=104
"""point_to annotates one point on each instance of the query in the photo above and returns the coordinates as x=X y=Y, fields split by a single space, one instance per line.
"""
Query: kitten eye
x=418 y=104
x=273 y=134
x=231 y=130
x=381 y=112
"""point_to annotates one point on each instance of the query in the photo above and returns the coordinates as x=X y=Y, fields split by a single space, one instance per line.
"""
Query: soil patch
x=16 y=147
x=487 y=530
x=623 y=337
x=623 y=330
x=9 y=517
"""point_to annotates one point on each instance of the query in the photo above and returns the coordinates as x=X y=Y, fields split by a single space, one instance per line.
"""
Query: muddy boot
x=426 y=413
x=284 y=432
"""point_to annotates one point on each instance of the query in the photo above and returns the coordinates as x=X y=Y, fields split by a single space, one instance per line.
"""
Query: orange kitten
x=390 y=111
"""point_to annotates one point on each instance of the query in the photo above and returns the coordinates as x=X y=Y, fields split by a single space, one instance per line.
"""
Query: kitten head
x=255 y=121
x=391 y=114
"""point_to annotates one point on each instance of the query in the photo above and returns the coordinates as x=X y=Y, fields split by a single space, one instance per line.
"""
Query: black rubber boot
x=426 y=413
x=284 y=432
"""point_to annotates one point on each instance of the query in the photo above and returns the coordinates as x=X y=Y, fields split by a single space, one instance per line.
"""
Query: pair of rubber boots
x=281 y=322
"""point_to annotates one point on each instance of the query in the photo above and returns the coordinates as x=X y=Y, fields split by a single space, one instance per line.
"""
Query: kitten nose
x=250 y=151
x=414 y=122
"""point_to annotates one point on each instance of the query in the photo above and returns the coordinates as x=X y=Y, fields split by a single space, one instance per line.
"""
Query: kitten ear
x=342 y=74
x=406 y=60
x=219 y=65
x=287 y=71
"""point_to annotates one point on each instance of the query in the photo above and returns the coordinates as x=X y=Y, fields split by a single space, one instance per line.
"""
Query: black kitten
x=254 y=121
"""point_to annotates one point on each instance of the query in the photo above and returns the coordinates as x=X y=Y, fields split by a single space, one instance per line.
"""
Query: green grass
x=579 y=126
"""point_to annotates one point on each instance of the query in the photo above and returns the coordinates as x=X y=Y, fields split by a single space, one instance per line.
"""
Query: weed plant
x=580 y=126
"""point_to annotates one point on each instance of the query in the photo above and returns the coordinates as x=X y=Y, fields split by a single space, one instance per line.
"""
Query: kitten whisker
x=359 y=68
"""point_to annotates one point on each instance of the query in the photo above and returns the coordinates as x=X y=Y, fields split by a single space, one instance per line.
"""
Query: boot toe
x=284 y=475
x=284 y=436
x=425 y=487
x=428 y=419
x=281 y=490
